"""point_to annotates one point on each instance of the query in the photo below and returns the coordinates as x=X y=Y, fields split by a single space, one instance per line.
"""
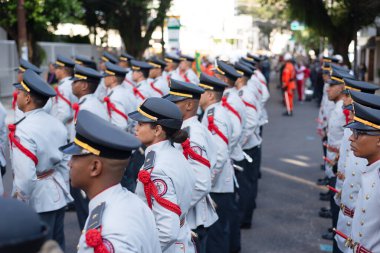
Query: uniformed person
x=184 y=72
x=101 y=91
x=24 y=65
x=250 y=142
x=119 y=221
x=156 y=81
x=62 y=107
x=172 y=61
x=41 y=176
x=140 y=74
x=166 y=181
x=125 y=62
x=21 y=229
x=237 y=114
x=335 y=133
x=365 y=140
x=200 y=151
x=119 y=101
x=218 y=122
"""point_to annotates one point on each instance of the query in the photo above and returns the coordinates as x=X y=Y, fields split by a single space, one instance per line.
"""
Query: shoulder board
x=241 y=93
x=211 y=112
x=110 y=93
x=226 y=94
x=95 y=217
x=149 y=160
x=20 y=120
x=81 y=102
x=187 y=130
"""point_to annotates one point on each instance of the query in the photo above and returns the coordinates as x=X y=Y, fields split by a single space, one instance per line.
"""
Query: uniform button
x=353 y=173
x=351 y=197
x=360 y=234
x=83 y=232
x=348 y=223
x=362 y=222
x=367 y=197
x=363 y=210
x=181 y=246
x=352 y=185
x=356 y=163
x=373 y=185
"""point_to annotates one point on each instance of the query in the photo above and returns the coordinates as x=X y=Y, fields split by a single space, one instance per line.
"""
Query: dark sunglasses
x=356 y=133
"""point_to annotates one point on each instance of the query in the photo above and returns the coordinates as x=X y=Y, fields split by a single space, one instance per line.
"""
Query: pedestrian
x=200 y=151
x=156 y=81
x=184 y=72
x=140 y=74
x=125 y=62
x=119 y=221
x=172 y=61
x=166 y=181
x=41 y=175
x=288 y=83
x=300 y=77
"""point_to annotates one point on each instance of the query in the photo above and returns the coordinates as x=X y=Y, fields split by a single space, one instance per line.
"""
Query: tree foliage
x=135 y=20
x=40 y=14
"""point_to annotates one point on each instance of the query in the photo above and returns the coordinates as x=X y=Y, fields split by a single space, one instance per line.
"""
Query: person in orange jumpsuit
x=288 y=84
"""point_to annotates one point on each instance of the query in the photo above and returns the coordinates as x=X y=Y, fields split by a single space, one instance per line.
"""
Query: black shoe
x=328 y=236
x=323 y=194
x=326 y=214
x=325 y=198
x=287 y=114
x=324 y=209
x=322 y=167
x=245 y=226
x=323 y=181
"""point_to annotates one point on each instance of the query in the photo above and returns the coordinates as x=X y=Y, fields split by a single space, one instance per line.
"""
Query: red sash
x=156 y=89
x=151 y=190
x=138 y=93
x=60 y=95
x=188 y=151
x=229 y=107
x=76 y=111
x=213 y=128
x=13 y=140
x=129 y=82
x=250 y=105
x=111 y=107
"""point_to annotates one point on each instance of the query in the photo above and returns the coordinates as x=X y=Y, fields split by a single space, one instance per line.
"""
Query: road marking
x=293 y=178
x=295 y=162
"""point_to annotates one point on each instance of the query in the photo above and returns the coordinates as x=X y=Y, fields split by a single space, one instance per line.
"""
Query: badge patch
x=109 y=245
x=161 y=186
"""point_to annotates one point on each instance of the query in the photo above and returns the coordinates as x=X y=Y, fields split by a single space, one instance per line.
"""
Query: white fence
x=9 y=59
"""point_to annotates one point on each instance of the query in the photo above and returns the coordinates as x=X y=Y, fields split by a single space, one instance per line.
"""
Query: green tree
x=40 y=14
x=338 y=20
x=135 y=20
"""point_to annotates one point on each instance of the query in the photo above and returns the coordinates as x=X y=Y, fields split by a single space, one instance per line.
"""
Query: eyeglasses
x=356 y=133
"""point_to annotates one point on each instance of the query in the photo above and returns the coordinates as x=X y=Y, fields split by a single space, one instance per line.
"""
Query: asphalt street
x=286 y=218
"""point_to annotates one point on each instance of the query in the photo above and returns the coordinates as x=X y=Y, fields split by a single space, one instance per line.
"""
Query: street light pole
x=21 y=27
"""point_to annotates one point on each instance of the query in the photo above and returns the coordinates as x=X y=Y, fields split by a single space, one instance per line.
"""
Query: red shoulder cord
x=129 y=82
x=261 y=81
x=156 y=89
x=250 y=105
x=60 y=95
x=361 y=249
x=151 y=190
x=13 y=140
x=76 y=111
x=111 y=107
x=188 y=151
x=229 y=107
x=14 y=101
x=213 y=128
x=94 y=240
x=138 y=93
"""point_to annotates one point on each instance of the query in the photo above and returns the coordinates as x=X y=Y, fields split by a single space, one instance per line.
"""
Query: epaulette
x=96 y=215
x=149 y=160
x=211 y=112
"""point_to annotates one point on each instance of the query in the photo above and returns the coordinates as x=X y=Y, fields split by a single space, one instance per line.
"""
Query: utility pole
x=21 y=27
